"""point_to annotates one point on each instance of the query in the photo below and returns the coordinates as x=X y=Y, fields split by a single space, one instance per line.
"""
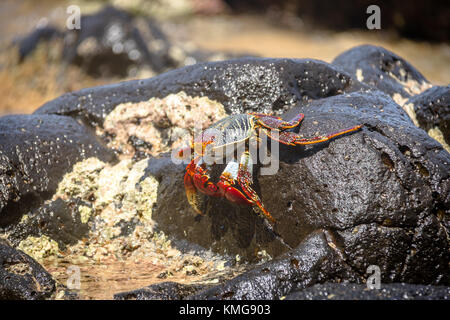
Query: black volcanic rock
x=35 y=152
x=382 y=69
x=432 y=109
x=383 y=192
x=313 y=260
x=115 y=44
x=60 y=220
x=380 y=191
x=247 y=84
x=22 y=278
x=378 y=196
x=160 y=291
x=350 y=291
x=29 y=43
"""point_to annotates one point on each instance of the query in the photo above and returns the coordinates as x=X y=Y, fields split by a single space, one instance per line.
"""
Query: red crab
x=236 y=180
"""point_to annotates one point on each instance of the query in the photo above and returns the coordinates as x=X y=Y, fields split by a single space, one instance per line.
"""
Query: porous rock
x=379 y=196
x=35 y=152
x=22 y=278
x=246 y=84
x=381 y=190
x=161 y=291
x=432 y=111
x=313 y=260
x=384 y=70
x=351 y=291
x=59 y=220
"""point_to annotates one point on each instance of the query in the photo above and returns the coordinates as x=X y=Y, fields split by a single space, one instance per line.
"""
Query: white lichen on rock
x=399 y=99
x=411 y=86
x=39 y=248
x=437 y=135
x=434 y=133
x=359 y=75
x=409 y=108
x=85 y=213
x=82 y=180
x=161 y=123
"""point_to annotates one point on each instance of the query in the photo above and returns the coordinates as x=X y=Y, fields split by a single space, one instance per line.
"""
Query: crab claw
x=183 y=153
x=232 y=194
x=226 y=183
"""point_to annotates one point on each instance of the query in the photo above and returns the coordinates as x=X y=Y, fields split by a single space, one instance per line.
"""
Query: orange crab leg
x=293 y=139
x=245 y=180
x=276 y=123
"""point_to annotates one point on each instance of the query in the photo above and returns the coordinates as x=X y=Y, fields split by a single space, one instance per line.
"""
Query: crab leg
x=273 y=122
x=292 y=139
x=245 y=180
x=227 y=182
x=242 y=174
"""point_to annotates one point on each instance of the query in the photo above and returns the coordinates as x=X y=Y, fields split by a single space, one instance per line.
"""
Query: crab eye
x=183 y=153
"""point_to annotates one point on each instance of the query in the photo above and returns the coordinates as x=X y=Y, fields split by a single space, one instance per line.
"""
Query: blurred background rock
x=41 y=59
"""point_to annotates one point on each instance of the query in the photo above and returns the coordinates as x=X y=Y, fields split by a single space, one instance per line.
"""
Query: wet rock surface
x=160 y=291
x=35 y=152
x=21 y=277
x=313 y=260
x=246 y=84
x=393 y=291
x=389 y=181
x=59 y=220
x=378 y=196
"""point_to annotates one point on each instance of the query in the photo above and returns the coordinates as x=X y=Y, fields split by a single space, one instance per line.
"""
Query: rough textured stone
x=160 y=291
x=384 y=70
x=377 y=196
x=22 y=278
x=432 y=109
x=60 y=220
x=247 y=84
x=393 y=291
x=382 y=190
x=35 y=152
x=313 y=260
